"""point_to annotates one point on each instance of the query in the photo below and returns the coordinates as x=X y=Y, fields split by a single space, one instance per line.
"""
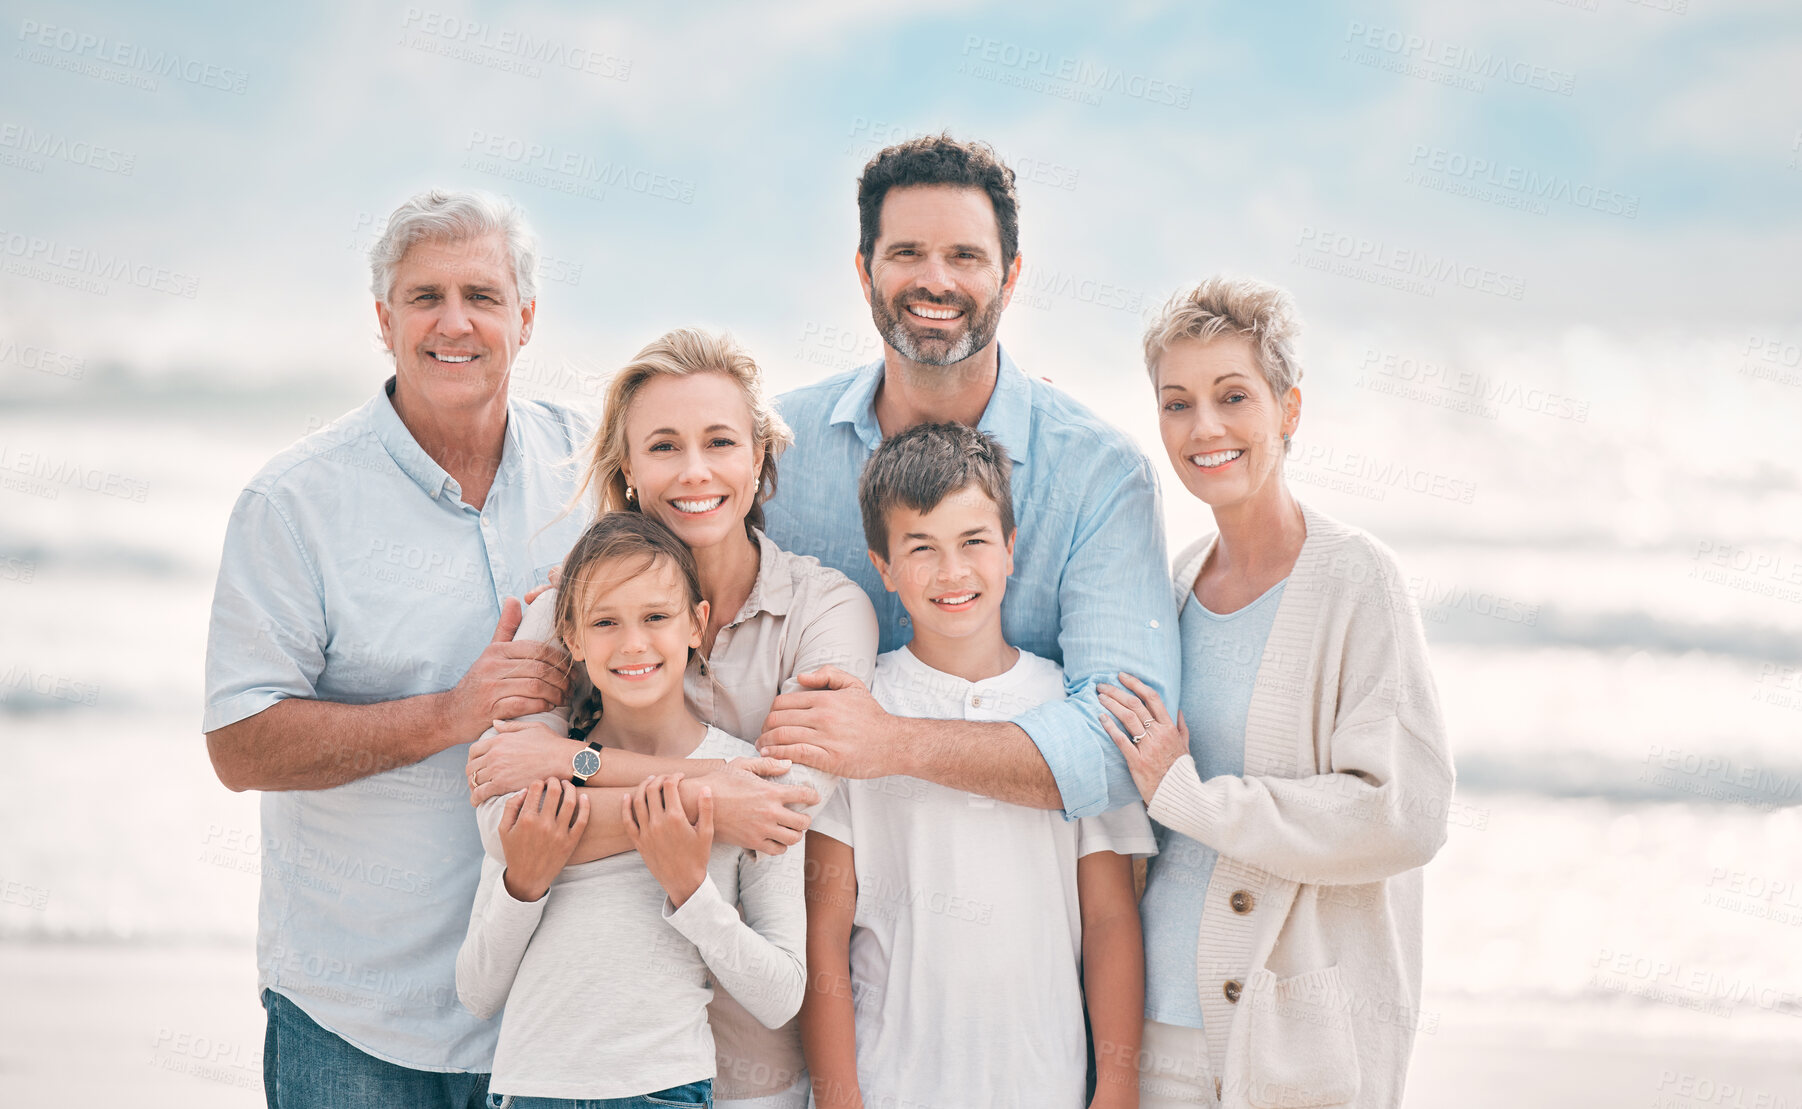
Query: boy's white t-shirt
x=966 y=949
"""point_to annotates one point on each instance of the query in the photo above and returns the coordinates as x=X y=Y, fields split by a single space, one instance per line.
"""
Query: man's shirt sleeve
x=1115 y=614
x=267 y=637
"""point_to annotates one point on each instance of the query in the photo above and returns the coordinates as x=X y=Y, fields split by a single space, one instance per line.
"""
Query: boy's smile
x=950 y=566
x=961 y=601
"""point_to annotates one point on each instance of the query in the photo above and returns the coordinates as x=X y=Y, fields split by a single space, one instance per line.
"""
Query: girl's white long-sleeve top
x=605 y=985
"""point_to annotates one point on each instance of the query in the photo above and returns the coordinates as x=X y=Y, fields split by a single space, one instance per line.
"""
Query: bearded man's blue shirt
x=1090 y=588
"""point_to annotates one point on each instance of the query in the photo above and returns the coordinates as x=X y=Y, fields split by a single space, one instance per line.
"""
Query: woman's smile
x=698 y=506
x=1217 y=460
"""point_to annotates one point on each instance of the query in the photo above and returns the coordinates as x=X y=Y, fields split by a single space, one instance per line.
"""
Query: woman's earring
x=632 y=494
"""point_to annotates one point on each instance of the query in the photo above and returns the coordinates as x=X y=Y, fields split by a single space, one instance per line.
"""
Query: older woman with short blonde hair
x=1304 y=779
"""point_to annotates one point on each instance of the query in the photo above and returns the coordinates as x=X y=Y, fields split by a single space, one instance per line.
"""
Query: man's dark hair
x=925 y=464
x=938 y=160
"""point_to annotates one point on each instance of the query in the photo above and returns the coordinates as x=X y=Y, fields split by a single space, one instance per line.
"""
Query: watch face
x=588 y=762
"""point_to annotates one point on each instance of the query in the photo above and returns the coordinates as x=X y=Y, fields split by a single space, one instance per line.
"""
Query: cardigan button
x=1231 y=990
x=1241 y=901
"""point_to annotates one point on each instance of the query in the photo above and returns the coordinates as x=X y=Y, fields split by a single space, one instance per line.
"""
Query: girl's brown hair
x=642 y=542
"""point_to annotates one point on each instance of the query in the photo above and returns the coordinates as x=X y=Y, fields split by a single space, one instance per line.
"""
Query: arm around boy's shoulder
x=1115 y=614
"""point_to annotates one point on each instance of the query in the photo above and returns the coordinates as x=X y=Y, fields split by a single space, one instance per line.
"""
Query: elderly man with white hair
x=362 y=637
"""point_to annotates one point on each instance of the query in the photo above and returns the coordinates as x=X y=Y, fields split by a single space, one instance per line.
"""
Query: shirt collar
x=1008 y=416
x=420 y=466
x=857 y=405
x=774 y=589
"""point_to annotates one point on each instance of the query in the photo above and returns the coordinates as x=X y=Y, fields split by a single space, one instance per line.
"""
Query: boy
x=952 y=938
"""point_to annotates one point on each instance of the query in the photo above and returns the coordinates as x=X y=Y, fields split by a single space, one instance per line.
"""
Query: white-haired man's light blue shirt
x=1090 y=588
x=353 y=572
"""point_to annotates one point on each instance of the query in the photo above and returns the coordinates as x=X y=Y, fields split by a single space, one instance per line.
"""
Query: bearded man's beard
x=936 y=346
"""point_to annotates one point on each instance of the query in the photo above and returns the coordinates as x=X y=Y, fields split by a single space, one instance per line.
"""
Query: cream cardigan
x=1309 y=955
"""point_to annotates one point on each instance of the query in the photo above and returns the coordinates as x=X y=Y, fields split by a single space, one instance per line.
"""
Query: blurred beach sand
x=154 y=1026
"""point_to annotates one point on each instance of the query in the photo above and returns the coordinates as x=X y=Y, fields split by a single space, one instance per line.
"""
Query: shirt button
x=1231 y=990
x=905 y=621
x=1241 y=901
x=1154 y=623
x=976 y=701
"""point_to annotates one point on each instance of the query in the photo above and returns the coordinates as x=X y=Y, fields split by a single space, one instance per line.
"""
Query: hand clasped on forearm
x=519 y=754
x=834 y=725
x=1152 y=741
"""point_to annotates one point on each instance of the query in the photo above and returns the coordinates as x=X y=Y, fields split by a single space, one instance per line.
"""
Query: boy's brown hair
x=922 y=466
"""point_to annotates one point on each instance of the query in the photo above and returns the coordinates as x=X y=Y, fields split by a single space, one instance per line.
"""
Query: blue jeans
x=307 y=1067
x=681 y=1097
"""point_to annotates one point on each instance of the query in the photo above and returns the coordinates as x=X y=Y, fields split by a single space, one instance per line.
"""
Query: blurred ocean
x=1624 y=698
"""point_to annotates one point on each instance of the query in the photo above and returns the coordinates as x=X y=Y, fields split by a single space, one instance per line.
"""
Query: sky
x=1586 y=206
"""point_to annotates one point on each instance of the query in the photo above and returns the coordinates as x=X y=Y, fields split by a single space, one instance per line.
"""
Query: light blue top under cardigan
x=1221 y=656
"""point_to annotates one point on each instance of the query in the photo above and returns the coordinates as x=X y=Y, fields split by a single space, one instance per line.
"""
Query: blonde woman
x=628 y=1029
x=1303 y=780
x=688 y=437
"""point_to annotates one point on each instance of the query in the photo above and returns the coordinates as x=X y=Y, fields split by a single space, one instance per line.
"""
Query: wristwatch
x=586 y=764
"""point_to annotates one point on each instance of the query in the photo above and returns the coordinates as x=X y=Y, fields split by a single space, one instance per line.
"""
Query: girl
x=606 y=985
